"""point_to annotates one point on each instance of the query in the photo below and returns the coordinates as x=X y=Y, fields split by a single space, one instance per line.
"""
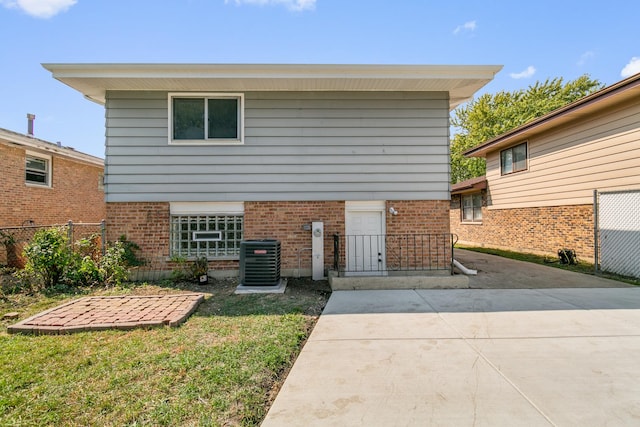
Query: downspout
x=596 y=237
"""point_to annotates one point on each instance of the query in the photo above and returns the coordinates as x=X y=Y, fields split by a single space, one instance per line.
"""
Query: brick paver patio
x=113 y=312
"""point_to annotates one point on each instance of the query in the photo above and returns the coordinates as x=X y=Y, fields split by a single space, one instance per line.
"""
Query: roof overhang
x=29 y=142
x=602 y=100
x=472 y=185
x=94 y=80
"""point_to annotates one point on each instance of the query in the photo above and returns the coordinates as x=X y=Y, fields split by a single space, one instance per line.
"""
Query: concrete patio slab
x=468 y=357
x=386 y=383
x=577 y=381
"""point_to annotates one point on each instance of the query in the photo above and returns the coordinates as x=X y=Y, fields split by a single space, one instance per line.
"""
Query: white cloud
x=296 y=5
x=530 y=71
x=585 y=57
x=633 y=67
x=467 y=26
x=39 y=8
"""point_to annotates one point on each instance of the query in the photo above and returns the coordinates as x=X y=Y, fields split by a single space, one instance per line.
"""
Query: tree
x=491 y=115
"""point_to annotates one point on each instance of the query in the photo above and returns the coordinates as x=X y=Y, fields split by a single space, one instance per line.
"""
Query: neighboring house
x=45 y=183
x=200 y=157
x=538 y=193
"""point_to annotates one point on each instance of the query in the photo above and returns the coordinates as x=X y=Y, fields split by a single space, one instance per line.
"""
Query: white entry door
x=364 y=245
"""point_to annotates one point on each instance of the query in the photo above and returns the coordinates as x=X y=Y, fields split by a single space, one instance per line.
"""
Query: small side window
x=514 y=159
x=38 y=170
x=472 y=207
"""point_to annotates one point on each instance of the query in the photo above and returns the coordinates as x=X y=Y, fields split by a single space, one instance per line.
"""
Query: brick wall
x=74 y=194
x=420 y=217
x=540 y=230
x=147 y=224
x=285 y=221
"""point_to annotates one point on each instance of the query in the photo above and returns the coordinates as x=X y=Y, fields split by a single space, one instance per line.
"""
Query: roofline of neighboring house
x=617 y=92
x=470 y=185
x=94 y=80
x=41 y=145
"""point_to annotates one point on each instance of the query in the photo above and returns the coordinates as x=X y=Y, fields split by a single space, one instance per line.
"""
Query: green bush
x=52 y=261
x=48 y=257
x=180 y=272
x=130 y=256
x=112 y=265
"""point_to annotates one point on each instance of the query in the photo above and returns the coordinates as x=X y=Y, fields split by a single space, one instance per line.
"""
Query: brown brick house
x=538 y=192
x=44 y=183
x=203 y=156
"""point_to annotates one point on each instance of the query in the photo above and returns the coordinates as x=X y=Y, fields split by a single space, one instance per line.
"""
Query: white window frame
x=473 y=219
x=48 y=171
x=204 y=96
x=202 y=239
x=206 y=236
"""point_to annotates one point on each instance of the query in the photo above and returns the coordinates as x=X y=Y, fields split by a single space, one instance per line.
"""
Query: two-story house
x=202 y=156
x=538 y=192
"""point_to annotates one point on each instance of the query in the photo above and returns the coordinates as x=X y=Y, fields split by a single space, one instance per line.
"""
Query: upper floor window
x=38 y=169
x=206 y=118
x=472 y=207
x=513 y=159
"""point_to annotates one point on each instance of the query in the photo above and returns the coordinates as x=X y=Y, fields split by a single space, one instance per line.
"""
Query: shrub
x=180 y=272
x=113 y=265
x=48 y=256
x=130 y=255
x=51 y=261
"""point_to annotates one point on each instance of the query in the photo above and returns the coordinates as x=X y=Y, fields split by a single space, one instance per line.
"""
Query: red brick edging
x=112 y=312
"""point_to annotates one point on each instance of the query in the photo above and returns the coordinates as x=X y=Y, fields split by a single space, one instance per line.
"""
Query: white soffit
x=93 y=80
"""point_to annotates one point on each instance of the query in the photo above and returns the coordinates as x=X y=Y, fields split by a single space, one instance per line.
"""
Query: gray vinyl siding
x=298 y=146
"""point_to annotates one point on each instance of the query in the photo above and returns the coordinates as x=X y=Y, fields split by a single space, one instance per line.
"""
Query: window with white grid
x=213 y=236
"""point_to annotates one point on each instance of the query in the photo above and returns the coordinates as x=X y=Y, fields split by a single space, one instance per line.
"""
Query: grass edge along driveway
x=222 y=367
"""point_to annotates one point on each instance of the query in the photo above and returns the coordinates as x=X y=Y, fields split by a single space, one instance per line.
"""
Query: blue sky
x=533 y=40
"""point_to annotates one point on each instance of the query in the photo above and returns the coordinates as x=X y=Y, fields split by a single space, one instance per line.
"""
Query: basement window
x=38 y=170
x=212 y=230
x=213 y=236
x=213 y=118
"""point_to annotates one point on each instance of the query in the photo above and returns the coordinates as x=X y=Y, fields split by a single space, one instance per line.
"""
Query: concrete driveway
x=561 y=356
x=496 y=272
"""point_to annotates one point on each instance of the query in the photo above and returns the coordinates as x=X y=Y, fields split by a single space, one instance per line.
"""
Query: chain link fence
x=14 y=239
x=617 y=232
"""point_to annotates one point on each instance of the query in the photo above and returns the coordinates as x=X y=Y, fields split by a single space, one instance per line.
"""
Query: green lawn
x=221 y=367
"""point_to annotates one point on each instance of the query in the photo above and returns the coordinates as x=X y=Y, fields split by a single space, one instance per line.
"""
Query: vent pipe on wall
x=30 y=119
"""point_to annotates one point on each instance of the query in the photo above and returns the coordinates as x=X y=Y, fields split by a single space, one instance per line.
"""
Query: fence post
x=70 y=232
x=596 y=237
x=103 y=236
